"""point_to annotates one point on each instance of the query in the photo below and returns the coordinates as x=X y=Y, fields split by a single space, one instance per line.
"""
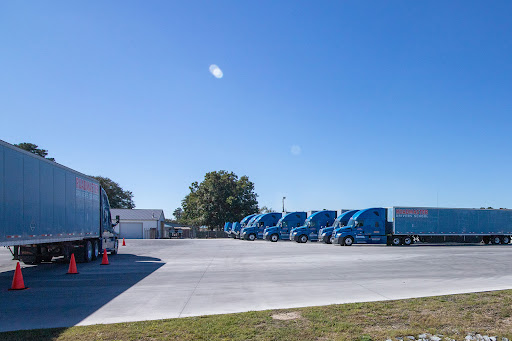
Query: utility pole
x=283 y=204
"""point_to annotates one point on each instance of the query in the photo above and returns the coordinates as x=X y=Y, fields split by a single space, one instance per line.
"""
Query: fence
x=209 y=234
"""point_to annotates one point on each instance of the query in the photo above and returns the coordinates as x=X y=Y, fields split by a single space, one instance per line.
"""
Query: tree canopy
x=33 y=148
x=221 y=197
x=117 y=197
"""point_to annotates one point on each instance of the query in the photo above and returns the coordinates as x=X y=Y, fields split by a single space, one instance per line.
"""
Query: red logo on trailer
x=87 y=186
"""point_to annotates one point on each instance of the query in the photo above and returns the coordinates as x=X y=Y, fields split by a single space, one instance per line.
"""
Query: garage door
x=130 y=230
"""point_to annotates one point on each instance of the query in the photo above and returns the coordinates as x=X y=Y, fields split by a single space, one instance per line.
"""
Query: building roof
x=137 y=214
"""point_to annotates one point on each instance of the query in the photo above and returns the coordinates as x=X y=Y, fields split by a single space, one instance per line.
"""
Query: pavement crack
x=195 y=288
x=375 y=292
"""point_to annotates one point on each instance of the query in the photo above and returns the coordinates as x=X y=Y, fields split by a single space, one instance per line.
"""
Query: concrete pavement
x=156 y=279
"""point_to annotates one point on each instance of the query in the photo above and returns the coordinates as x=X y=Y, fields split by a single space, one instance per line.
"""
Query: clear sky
x=333 y=104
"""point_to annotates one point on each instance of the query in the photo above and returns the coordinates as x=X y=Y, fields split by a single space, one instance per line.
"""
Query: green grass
x=454 y=316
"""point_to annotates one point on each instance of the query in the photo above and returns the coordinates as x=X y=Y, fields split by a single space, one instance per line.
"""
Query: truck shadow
x=55 y=299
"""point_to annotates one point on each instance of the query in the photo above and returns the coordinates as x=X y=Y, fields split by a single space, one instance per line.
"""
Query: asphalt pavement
x=156 y=279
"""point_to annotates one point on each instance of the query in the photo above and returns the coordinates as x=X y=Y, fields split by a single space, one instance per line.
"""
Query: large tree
x=221 y=197
x=33 y=148
x=117 y=197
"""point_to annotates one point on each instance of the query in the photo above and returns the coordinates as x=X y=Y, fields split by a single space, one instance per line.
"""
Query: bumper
x=325 y=239
x=338 y=240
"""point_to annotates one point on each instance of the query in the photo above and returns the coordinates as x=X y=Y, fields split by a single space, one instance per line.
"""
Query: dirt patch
x=293 y=315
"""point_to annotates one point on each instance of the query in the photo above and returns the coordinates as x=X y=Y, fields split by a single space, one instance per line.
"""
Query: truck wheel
x=486 y=240
x=252 y=237
x=396 y=241
x=407 y=240
x=328 y=240
x=331 y=240
x=96 y=249
x=303 y=239
x=496 y=240
x=88 y=251
x=116 y=247
x=505 y=240
x=348 y=241
x=274 y=238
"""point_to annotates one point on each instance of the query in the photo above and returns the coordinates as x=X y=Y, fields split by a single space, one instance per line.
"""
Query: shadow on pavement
x=55 y=299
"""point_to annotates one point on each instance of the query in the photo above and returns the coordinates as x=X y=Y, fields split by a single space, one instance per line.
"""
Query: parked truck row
x=48 y=210
x=391 y=226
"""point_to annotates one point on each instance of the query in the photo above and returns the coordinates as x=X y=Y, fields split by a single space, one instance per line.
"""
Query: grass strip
x=487 y=313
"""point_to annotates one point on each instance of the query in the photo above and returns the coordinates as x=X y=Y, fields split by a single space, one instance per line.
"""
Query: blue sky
x=390 y=102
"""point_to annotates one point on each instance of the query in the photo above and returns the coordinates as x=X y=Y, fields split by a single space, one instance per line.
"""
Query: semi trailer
x=284 y=226
x=255 y=229
x=326 y=234
x=49 y=210
x=315 y=222
x=235 y=230
x=406 y=225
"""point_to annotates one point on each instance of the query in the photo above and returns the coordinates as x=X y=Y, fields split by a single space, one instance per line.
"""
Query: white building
x=139 y=223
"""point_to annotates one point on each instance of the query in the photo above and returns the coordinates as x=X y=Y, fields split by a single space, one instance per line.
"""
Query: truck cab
x=235 y=230
x=326 y=235
x=284 y=226
x=227 y=228
x=255 y=230
x=315 y=222
x=365 y=227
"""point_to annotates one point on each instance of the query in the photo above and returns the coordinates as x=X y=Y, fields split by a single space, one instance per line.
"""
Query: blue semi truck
x=255 y=229
x=315 y=222
x=227 y=228
x=406 y=225
x=284 y=226
x=235 y=230
x=49 y=210
x=326 y=234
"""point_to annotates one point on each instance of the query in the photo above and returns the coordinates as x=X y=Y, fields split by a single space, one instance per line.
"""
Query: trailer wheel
x=505 y=240
x=396 y=241
x=88 y=251
x=96 y=249
x=274 y=238
x=303 y=239
x=252 y=237
x=496 y=240
x=407 y=240
x=348 y=241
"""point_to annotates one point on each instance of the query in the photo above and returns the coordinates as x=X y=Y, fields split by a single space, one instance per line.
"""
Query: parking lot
x=156 y=279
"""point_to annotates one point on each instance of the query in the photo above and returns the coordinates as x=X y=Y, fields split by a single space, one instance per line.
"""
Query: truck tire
x=88 y=251
x=116 y=247
x=303 y=239
x=396 y=241
x=348 y=241
x=496 y=240
x=408 y=240
x=486 y=239
x=505 y=240
x=252 y=237
x=328 y=239
x=274 y=238
x=96 y=249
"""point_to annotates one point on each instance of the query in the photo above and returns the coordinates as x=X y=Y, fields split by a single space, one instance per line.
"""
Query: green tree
x=177 y=213
x=266 y=209
x=221 y=197
x=117 y=197
x=33 y=148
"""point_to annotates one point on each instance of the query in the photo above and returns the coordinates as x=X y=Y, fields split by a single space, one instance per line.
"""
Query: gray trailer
x=49 y=210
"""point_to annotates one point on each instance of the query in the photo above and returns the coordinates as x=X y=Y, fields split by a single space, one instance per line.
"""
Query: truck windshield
x=337 y=223
x=351 y=222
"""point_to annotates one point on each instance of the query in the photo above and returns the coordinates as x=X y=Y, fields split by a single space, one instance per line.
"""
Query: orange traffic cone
x=72 y=266
x=124 y=244
x=105 y=258
x=17 y=281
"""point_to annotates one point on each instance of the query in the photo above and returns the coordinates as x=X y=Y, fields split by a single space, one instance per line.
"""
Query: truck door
x=375 y=229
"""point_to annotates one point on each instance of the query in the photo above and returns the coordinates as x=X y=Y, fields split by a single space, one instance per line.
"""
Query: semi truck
x=284 y=226
x=326 y=234
x=227 y=228
x=255 y=229
x=315 y=222
x=406 y=225
x=235 y=230
x=49 y=210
